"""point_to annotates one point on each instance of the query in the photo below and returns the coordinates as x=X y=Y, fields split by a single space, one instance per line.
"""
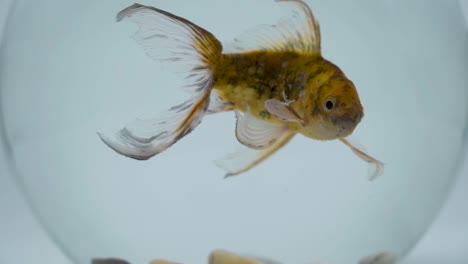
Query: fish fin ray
x=376 y=167
x=173 y=39
x=218 y=104
x=281 y=111
x=142 y=139
x=298 y=32
x=256 y=133
x=245 y=158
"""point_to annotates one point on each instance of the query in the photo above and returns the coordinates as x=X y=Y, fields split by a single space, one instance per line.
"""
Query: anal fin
x=246 y=158
x=218 y=104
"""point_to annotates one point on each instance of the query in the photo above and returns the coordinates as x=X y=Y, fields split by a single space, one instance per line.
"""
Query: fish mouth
x=345 y=123
x=348 y=123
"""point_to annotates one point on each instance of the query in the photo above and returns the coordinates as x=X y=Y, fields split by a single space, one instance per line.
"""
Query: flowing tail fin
x=167 y=37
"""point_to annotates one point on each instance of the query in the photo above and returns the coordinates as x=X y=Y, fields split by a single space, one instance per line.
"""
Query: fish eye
x=329 y=103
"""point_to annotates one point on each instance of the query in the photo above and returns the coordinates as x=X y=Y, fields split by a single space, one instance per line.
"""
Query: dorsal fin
x=297 y=32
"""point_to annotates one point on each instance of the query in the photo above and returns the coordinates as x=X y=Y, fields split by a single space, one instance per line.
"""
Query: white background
x=23 y=241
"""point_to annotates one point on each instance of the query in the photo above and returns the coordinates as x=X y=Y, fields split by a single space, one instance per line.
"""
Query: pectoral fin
x=282 y=111
x=244 y=158
x=376 y=167
x=256 y=133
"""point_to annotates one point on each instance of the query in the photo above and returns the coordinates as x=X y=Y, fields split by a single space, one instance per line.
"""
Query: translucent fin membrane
x=168 y=37
x=255 y=133
x=297 y=32
x=376 y=167
x=245 y=158
x=282 y=111
x=143 y=139
x=218 y=104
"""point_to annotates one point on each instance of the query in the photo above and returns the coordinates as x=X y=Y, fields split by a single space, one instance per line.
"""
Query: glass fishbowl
x=68 y=70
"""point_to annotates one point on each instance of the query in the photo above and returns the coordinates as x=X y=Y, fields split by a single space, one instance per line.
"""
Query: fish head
x=337 y=110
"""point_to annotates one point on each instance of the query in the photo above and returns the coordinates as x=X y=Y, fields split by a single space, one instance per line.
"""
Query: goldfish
x=274 y=79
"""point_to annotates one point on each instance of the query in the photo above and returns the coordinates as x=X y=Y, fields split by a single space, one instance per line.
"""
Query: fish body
x=247 y=80
x=276 y=81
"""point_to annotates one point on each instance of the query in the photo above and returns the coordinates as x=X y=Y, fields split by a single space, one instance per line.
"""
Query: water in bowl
x=68 y=70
